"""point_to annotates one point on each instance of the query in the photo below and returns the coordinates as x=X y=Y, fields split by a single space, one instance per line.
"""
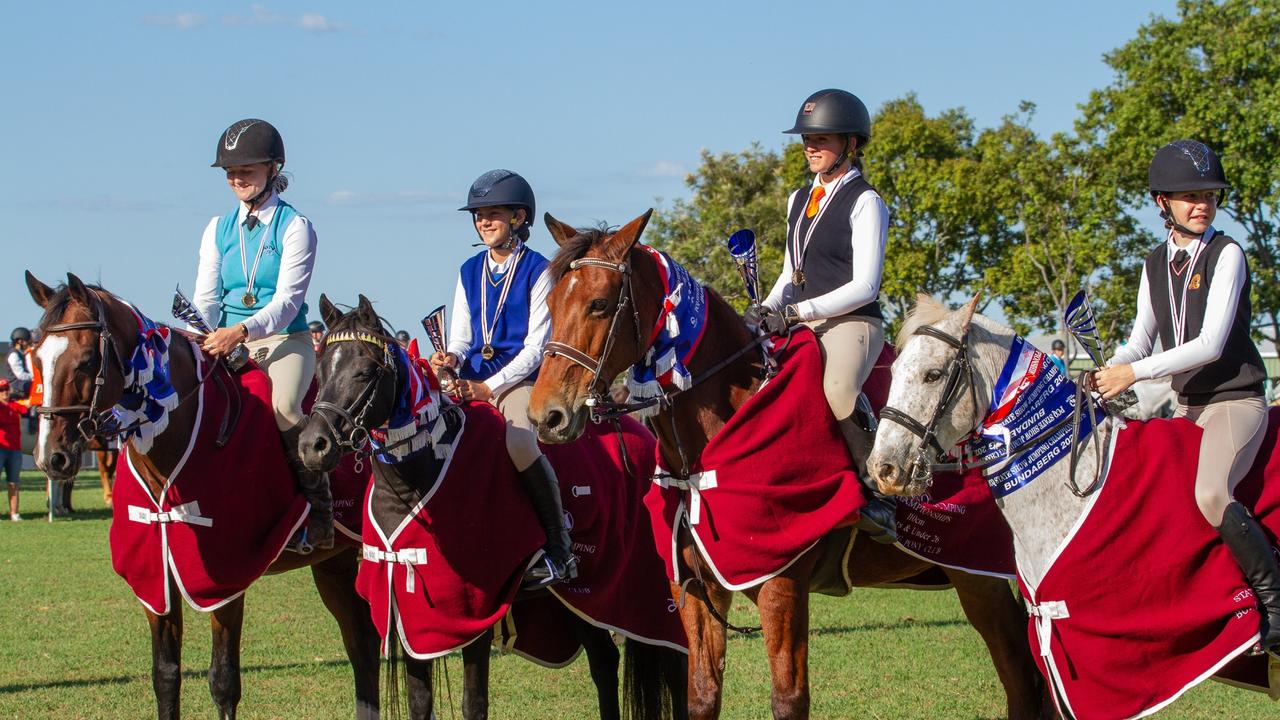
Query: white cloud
x=182 y=20
x=352 y=198
x=666 y=168
x=259 y=15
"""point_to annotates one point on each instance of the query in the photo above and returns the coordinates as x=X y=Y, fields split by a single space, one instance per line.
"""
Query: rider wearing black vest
x=837 y=230
x=1194 y=294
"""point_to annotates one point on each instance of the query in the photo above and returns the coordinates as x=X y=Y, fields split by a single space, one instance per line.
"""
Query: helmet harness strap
x=844 y=155
x=1166 y=212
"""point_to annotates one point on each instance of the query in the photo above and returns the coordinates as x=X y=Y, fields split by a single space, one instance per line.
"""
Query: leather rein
x=960 y=371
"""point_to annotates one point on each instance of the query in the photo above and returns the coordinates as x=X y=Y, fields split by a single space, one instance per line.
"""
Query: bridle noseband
x=357 y=439
x=598 y=402
x=960 y=369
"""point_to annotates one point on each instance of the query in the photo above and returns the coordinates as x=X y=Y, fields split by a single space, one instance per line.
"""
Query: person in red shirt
x=11 y=443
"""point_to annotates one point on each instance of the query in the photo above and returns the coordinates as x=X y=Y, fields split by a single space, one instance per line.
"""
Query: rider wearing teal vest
x=255 y=268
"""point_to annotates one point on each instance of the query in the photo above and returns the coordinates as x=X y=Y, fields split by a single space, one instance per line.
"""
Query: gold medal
x=487 y=352
x=249 y=299
x=797 y=278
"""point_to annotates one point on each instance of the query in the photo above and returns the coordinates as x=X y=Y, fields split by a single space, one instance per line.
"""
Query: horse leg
x=224 y=670
x=418 y=674
x=475 y=677
x=995 y=613
x=166 y=659
x=602 y=657
x=106 y=471
x=706 y=644
x=335 y=578
x=784 y=618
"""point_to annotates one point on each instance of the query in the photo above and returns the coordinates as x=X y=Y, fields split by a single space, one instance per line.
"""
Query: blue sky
x=389 y=110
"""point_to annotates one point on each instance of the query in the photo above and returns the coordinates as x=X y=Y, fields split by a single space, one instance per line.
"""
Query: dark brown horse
x=603 y=310
x=91 y=332
x=357 y=376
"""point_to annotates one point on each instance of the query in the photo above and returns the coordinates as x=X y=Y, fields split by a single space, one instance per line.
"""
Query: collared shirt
x=18 y=366
x=297 y=260
x=1220 y=310
x=530 y=356
x=868 y=236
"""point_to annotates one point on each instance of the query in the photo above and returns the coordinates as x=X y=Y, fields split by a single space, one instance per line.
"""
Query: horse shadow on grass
x=190 y=674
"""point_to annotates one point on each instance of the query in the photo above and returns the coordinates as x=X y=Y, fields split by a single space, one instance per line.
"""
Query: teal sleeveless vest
x=234 y=282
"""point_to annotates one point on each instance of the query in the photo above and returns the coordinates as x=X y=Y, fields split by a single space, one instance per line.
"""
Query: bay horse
x=87 y=336
x=1103 y=511
x=359 y=386
x=607 y=296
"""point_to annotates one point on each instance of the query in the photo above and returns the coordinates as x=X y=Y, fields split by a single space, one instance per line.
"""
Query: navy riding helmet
x=501 y=187
x=1185 y=165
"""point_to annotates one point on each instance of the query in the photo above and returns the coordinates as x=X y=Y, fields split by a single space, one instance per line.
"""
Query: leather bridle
x=355 y=414
x=92 y=421
x=959 y=371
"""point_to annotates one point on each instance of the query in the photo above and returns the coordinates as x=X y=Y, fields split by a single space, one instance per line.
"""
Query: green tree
x=1211 y=74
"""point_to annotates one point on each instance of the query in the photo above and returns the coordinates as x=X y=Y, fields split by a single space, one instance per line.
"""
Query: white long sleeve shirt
x=1220 y=310
x=530 y=356
x=297 y=260
x=868 y=236
x=18 y=366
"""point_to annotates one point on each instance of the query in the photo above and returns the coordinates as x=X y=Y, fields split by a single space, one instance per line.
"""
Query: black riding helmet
x=248 y=142
x=20 y=333
x=833 y=111
x=315 y=326
x=501 y=187
x=1185 y=165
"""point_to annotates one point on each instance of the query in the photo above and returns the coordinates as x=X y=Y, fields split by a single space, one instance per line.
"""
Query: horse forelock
x=927 y=311
x=576 y=248
x=62 y=301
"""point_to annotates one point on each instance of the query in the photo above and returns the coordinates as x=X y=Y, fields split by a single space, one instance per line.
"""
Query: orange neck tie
x=815 y=197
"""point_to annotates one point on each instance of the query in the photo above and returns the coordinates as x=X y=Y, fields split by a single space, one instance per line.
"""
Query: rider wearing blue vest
x=255 y=267
x=837 y=230
x=1194 y=296
x=500 y=324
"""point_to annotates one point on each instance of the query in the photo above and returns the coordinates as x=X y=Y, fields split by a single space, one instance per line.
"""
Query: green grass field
x=74 y=644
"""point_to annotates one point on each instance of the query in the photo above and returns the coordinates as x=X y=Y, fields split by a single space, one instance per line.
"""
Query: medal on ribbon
x=250 y=298
x=487 y=351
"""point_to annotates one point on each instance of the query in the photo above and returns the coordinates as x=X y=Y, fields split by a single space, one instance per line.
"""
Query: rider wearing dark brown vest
x=837 y=230
x=1194 y=294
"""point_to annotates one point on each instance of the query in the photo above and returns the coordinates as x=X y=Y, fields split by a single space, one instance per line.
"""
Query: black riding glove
x=765 y=319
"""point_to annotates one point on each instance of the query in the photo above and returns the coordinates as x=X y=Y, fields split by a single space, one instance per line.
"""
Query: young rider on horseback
x=1194 y=294
x=830 y=281
x=500 y=324
x=255 y=267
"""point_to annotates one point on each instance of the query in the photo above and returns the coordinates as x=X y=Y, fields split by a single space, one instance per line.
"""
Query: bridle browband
x=357 y=439
x=923 y=467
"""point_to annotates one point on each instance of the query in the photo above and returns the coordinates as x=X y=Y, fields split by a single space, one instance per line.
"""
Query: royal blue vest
x=234 y=282
x=513 y=325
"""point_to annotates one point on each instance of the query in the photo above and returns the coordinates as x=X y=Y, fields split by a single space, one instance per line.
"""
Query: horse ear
x=40 y=292
x=76 y=286
x=365 y=308
x=560 y=232
x=619 y=244
x=966 y=312
x=328 y=312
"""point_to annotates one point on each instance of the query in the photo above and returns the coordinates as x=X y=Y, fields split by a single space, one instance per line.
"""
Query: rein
x=357 y=440
x=94 y=423
x=924 y=466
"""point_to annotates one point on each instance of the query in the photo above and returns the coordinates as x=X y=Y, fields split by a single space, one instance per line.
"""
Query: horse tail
x=654 y=682
x=394 y=702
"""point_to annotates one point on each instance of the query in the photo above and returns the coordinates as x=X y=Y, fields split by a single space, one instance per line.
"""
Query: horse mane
x=928 y=310
x=576 y=248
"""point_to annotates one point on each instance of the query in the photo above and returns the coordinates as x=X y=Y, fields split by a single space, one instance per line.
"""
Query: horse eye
x=933 y=375
x=598 y=305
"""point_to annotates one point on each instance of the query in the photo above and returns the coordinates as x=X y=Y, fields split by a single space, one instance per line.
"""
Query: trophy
x=186 y=312
x=434 y=324
x=1083 y=326
x=742 y=246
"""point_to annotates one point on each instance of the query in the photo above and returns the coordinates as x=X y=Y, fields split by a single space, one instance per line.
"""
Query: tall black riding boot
x=315 y=486
x=879 y=515
x=558 y=563
x=1253 y=553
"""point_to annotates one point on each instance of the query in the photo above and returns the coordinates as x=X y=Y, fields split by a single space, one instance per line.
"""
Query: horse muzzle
x=557 y=424
x=60 y=463
x=318 y=449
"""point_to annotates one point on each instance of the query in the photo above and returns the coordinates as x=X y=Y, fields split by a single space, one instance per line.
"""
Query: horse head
x=358 y=377
x=600 y=321
x=84 y=335
x=940 y=393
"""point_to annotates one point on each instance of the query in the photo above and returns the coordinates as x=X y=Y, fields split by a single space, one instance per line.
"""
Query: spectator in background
x=19 y=369
x=11 y=443
x=317 y=336
x=402 y=338
x=1058 y=356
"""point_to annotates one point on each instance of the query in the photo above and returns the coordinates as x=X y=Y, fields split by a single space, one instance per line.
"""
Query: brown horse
x=601 y=311
x=91 y=332
x=106 y=456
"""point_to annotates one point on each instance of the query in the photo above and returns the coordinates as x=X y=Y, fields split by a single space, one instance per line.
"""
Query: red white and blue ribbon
x=1030 y=399
x=675 y=335
x=415 y=422
x=148 y=396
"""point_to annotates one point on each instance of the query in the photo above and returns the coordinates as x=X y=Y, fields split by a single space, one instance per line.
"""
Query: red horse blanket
x=957 y=524
x=213 y=532
x=347 y=483
x=775 y=479
x=1143 y=600
x=452 y=571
